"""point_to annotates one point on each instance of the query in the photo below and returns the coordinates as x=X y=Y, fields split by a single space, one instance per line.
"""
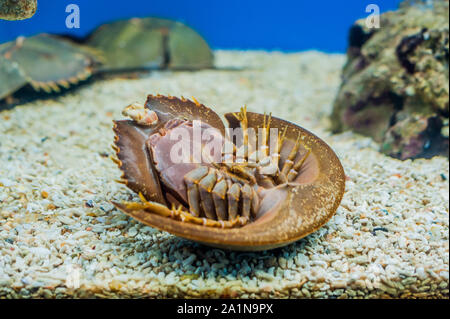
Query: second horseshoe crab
x=258 y=191
x=150 y=43
x=50 y=63
x=45 y=62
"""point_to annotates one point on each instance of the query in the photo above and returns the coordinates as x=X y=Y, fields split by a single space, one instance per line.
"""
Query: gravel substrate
x=61 y=237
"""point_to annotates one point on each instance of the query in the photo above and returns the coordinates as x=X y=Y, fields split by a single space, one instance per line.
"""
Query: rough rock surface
x=395 y=84
x=17 y=9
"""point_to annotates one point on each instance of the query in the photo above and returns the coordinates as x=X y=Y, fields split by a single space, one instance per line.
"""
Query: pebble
x=382 y=229
x=132 y=232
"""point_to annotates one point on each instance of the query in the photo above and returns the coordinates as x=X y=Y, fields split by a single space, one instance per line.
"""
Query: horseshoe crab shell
x=150 y=43
x=297 y=208
x=11 y=77
x=45 y=62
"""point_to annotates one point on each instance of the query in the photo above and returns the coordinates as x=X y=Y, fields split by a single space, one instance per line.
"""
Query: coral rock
x=17 y=9
x=395 y=84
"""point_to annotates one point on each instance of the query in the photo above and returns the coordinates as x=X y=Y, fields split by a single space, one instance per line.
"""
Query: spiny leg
x=282 y=176
x=265 y=137
x=229 y=151
x=262 y=152
x=244 y=171
x=297 y=166
x=274 y=159
x=246 y=160
x=276 y=155
x=242 y=118
x=267 y=167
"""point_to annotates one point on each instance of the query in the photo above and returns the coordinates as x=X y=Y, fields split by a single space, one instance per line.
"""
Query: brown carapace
x=258 y=184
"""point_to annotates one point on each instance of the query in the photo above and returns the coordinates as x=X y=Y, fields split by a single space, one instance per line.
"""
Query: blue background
x=286 y=25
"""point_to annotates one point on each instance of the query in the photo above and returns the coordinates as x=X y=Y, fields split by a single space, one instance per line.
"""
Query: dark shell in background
x=150 y=43
x=46 y=62
x=49 y=62
x=395 y=84
x=296 y=209
x=17 y=9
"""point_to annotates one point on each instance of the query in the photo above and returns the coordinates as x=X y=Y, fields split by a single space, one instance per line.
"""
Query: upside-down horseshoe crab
x=241 y=198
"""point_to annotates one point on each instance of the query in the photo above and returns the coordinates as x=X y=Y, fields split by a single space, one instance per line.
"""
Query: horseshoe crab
x=48 y=63
x=17 y=9
x=45 y=62
x=11 y=77
x=150 y=43
x=240 y=198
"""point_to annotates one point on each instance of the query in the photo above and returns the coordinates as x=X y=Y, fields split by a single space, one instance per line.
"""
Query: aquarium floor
x=60 y=236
